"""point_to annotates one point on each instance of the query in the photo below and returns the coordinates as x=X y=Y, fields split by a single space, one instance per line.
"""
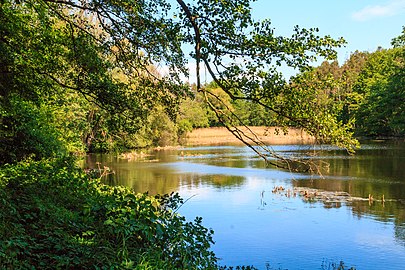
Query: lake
x=276 y=219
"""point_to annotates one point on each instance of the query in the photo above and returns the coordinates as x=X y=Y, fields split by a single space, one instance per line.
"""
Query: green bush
x=27 y=130
x=54 y=216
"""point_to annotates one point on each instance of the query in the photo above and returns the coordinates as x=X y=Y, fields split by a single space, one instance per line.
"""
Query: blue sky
x=365 y=25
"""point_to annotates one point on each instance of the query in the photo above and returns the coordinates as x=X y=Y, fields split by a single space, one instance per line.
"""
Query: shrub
x=53 y=216
x=27 y=131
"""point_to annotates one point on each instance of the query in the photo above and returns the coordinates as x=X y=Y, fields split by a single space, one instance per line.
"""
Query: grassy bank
x=54 y=216
x=268 y=135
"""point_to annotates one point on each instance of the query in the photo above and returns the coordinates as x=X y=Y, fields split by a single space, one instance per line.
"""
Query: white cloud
x=391 y=8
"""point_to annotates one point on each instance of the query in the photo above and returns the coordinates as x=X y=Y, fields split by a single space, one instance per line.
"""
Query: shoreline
x=268 y=135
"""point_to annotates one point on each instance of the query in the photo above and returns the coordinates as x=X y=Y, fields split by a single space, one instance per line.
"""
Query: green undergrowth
x=54 y=216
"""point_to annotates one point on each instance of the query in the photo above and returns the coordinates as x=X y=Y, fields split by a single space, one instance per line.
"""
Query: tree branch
x=197 y=33
x=70 y=3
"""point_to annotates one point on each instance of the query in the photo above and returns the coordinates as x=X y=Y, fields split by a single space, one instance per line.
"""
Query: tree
x=50 y=49
x=382 y=95
x=242 y=57
x=350 y=99
x=399 y=41
x=50 y=46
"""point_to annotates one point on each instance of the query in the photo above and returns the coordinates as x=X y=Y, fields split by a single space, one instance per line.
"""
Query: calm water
x=231 y=188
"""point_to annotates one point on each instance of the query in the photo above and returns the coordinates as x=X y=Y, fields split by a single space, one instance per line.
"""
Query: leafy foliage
x=53 y=216
x=367 y=92
x=27 y=132
x=242 y=56
x=317 y=106
x=381 y=112
x=107 y=55
x=53 y=52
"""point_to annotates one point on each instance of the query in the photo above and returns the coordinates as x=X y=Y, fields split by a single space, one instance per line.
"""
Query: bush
x=27 y=131
x=54 y=216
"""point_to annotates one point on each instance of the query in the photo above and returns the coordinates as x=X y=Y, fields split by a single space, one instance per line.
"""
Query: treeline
x=368 y=90
x=64 y=92
x=367 y=93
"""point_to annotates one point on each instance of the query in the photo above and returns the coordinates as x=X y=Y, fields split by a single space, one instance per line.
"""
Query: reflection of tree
x=393 y=193
x=151 y=177
x=374 y=161
x=225 y=181
x=147 y=179
x=390 y=211
x=400 y=233
x=237 y=162
x=142 y=176
x=328 y=205
x=359 y=176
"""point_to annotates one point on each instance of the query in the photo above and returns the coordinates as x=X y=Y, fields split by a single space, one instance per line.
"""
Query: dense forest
x=86 y=76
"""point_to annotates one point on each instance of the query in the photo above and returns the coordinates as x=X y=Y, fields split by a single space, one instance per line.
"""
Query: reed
x=268 y=135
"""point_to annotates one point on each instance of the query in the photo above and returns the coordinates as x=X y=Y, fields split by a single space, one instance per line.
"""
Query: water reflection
x=231 y=188
x=375 y=170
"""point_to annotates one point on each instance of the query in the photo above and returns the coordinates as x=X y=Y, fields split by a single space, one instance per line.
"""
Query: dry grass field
x=268 y=135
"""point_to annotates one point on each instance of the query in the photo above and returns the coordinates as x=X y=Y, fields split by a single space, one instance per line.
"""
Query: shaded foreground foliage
x=53 y=216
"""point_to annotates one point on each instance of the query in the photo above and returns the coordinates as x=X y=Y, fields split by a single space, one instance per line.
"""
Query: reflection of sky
x=186 y=167
x=285 y=232
x=253 y=225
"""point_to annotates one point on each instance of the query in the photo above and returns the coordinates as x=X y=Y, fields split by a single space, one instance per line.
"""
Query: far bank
x=268 y=135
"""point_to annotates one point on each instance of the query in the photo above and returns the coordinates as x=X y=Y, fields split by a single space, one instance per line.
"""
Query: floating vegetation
x=327 y=197
x=331 y=265
x=134 y=155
